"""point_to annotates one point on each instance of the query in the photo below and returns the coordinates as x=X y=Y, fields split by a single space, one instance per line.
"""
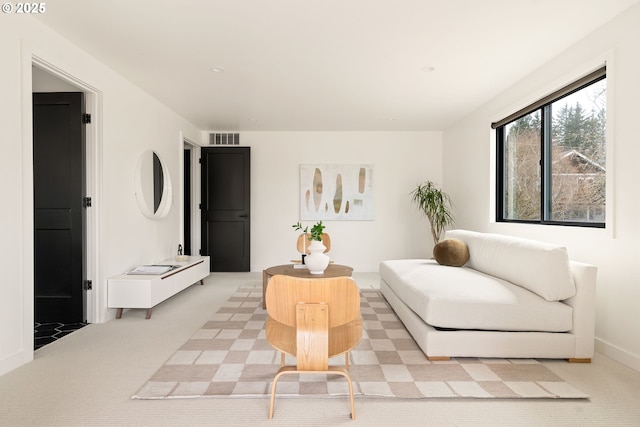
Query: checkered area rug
x=230 y=357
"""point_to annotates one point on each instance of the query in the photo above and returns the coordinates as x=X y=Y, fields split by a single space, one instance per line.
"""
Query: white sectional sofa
x=513 y=298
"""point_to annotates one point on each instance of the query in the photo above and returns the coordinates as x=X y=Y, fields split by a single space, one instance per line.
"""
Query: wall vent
x=224 y=138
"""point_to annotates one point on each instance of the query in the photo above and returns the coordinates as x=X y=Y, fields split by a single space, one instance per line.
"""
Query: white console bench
x=148 y=290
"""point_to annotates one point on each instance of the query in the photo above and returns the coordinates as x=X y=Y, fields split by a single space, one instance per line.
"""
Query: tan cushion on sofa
x=451 y=252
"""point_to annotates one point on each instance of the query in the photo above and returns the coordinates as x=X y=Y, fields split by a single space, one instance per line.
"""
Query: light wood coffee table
x=333 y=270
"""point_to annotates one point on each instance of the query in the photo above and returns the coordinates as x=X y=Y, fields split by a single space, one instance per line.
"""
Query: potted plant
x=316 y=231
x=436 y=205
x=316 y=261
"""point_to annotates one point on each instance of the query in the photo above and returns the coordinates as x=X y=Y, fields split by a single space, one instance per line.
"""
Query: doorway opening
x=187 y=201
x=67 y=301
x=190 y=223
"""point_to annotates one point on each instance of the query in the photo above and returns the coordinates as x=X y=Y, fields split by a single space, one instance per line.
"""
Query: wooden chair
x=313 y=319
x=303 y=243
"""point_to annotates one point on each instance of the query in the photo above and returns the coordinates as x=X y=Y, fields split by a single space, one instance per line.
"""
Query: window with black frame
x=551 y=158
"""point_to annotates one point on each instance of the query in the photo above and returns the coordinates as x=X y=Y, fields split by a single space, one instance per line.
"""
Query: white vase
x=316 y=261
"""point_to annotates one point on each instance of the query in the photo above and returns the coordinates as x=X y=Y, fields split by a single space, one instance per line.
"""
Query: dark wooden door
x=225 y=207
x=59 y=217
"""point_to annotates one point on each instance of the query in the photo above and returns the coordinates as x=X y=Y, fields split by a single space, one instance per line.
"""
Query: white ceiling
x=336 y=65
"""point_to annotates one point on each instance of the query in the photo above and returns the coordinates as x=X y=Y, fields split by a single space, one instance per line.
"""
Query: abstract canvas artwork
x=336 y=192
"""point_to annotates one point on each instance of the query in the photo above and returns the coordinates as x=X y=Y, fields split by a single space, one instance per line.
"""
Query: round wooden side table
x=333 y=270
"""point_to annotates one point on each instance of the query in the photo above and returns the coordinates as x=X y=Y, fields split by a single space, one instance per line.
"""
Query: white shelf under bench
x=148 y=290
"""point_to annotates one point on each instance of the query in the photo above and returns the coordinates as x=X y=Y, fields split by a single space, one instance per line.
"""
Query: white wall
x=468 y=172
x=126 y=122
x=400 y=159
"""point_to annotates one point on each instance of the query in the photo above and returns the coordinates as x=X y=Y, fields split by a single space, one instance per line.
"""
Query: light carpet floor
x=229 y=356
x=88 y=377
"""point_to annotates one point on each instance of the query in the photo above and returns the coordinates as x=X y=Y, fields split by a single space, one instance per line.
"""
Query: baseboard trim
x=15 y=361
x=618 y=354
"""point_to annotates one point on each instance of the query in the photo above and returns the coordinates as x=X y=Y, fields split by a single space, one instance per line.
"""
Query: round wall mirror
x=153 y=186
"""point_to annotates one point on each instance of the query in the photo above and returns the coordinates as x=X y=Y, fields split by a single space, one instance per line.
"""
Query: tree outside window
x=551 y=161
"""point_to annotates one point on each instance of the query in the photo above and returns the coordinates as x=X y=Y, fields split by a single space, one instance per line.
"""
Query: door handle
x=243 y=215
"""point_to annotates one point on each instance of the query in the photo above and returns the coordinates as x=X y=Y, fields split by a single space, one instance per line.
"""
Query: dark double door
x=59 y=213
x=225 y=207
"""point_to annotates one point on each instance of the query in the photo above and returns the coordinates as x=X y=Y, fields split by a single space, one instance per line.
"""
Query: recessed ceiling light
x=217 y=69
